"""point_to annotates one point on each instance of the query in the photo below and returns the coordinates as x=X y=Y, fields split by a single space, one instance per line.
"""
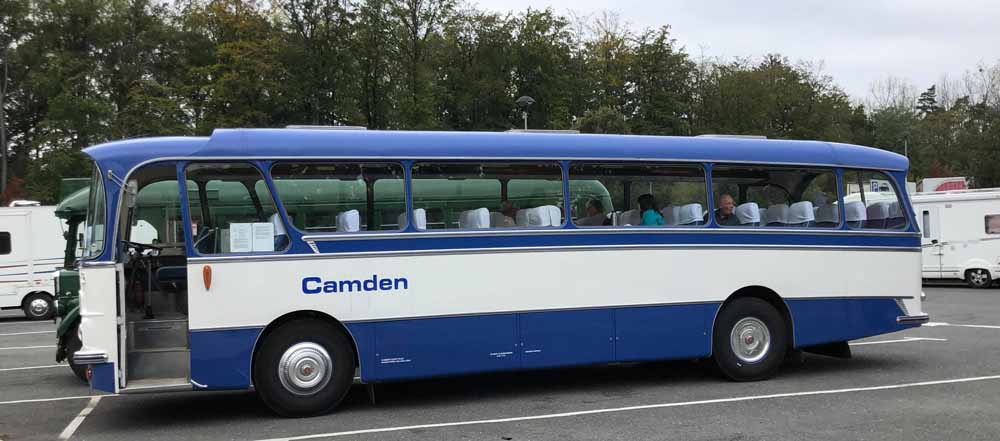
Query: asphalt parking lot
x=936 y=382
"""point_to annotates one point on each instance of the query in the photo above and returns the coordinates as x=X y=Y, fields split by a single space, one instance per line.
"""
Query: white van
x=31 y=248
x=960 y=232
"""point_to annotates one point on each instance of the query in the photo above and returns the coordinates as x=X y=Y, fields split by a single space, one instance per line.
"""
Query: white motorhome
x=31 y=248
x=960 y=233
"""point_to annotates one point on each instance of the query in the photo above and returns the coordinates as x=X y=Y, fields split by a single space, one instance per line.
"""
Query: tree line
x=80 y=72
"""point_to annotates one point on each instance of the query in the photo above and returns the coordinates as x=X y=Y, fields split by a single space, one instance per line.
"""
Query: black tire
x=266 y=368
x=33 y=312
x=770 y=358
x=74 y=344
x=978 y=278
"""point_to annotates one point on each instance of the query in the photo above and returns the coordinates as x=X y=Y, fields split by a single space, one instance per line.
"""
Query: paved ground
x=923 y=384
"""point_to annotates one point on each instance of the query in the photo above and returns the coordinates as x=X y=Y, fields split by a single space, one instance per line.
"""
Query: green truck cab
x=73 y=210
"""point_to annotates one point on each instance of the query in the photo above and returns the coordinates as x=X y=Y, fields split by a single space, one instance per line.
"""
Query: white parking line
x=73 y=425
x=45 y=400
x=633 y=408
x=27 y=323
x=26 y=347
x=903 y=340
x=27 y=333
x=933 y=324
x=48 y=366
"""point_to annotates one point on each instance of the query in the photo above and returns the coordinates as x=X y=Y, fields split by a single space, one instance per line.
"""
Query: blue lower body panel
x=451 y=345
x=102 y=377
x=427 y=347
x=664 y=332
x=822 y=321
x=220 y=359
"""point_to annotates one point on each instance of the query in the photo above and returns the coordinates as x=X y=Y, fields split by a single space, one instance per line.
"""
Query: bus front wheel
x=304 y=367
x=749 y=340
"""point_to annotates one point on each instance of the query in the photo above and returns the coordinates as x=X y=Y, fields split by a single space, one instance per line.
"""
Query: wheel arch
x=299 y=315
x=768 y=295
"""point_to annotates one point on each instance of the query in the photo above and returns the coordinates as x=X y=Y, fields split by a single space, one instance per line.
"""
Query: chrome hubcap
x=305 y=368
x=978 y=277
x=39 y=307
x=750 y=340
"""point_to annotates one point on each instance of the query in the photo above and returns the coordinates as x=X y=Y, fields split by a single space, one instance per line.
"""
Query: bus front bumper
x=913 y=319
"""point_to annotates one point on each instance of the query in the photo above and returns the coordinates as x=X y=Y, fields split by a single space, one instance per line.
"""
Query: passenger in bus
x=725 y=215
x=595 y=214
x=509 y=214
x=650 y=215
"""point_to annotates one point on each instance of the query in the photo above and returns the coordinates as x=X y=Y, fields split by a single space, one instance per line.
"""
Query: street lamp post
x=524 y=102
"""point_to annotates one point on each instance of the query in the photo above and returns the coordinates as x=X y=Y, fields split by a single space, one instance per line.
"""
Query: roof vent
x=327 y=127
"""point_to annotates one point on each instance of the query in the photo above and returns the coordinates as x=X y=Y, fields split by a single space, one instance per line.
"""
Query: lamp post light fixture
x=524 y=102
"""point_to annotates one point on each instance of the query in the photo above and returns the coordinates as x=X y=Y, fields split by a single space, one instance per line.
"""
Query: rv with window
x=31 y=247
x=960 y=235
x=292 y=261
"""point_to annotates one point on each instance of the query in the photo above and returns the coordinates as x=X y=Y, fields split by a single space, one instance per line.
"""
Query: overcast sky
x=858 y=41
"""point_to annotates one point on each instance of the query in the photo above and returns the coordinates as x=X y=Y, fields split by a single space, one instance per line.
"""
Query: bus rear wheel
x=749 y=340
x=304 y=368
x=978 y=278
x=38 y=306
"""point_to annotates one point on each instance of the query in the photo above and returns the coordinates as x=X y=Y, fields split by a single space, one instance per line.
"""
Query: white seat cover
x=894 y=210
x=478 y=218
x=878 y=211
x=828 y=214
x=801 y=212
x=763 y=214
x=555 y=215
x=522 y=217
x=670 y=215
x=349 y=221
x=855 y=211
x=631 y=217
x=748 y=213
x=419 y=219
x=777 y=213
x=690 y=214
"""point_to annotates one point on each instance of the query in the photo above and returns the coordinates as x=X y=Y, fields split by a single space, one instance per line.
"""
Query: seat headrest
x=801 y=212
x=521 y=218
x=777 y=213
x=828 y=213
x=748 y=213
x=477 y=218
x=878 y=211
x=669 y=214
x=349 y=221
x=630 y=217
x=279 y=226
x=419 y=219
x=855 y=211
x=689 y=214
x=554 y=214
x=894 y=210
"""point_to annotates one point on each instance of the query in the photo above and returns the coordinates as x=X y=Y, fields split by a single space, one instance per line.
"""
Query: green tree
x=660 y=79
x=603 y=120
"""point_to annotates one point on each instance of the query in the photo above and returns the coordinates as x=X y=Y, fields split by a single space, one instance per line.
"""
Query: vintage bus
x=297 y=261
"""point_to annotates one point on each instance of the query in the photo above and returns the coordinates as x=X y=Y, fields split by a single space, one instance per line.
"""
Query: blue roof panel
x=274 y=143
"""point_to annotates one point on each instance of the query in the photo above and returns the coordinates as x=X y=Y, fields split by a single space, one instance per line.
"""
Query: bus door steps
x=157 y=385
x=157 y=334
x=158 y=363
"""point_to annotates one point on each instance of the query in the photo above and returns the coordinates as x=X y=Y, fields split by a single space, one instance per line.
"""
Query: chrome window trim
x=467 y=251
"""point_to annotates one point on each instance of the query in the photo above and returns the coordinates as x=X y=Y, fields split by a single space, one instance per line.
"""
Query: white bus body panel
x=253 y=292
x=956 y=221
x=99 y=314
x=37 y=245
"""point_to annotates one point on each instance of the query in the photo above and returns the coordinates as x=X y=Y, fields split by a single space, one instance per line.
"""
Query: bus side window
x=345 y=197
x=872 y=202
x=776 y=196
x=462 y=195
x=231 y=210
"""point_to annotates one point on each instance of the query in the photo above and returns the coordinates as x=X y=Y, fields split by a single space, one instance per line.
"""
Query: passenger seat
x=828 y=216
x=777 y=215
x=690 y=214
x=748 y=214
x=801 y=214
x=855 y=214
x=877 y=215
x=474 y=219
x=349 y=221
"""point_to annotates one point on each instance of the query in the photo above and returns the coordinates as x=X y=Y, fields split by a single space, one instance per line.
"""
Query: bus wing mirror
x=131 y=188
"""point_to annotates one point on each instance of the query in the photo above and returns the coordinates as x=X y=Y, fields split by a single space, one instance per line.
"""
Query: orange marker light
x=206 y=275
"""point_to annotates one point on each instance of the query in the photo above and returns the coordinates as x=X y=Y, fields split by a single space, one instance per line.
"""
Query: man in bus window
x=595 y=214
x=726 y=213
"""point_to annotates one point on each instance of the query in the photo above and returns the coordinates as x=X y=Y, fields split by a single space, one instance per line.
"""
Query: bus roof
x=305 y=143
